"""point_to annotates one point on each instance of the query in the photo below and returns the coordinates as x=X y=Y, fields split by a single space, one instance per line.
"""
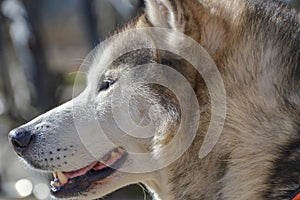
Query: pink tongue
x=94 y=166
x=80 y=172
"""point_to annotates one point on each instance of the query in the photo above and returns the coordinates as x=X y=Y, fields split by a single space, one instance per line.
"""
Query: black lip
x=81 y=184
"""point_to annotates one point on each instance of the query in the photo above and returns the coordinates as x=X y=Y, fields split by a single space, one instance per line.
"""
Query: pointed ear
x=166 y=14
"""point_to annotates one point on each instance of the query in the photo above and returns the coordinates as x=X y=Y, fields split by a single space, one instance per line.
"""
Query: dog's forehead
x=124 y=49
x=104 y=63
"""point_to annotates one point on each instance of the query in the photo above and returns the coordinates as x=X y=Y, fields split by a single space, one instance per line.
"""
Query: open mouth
x=74 y=182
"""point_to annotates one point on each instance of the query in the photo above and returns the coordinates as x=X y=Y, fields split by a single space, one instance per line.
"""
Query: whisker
x=77 y=72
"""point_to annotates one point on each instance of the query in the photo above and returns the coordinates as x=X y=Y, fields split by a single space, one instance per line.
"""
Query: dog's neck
x=173 y=182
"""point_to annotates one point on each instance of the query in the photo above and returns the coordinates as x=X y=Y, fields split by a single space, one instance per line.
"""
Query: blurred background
x=42 y=45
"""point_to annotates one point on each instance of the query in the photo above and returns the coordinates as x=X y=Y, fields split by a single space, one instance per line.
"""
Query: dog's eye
x=105 y=84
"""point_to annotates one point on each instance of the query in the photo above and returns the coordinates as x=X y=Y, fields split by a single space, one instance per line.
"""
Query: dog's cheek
x=168 y=128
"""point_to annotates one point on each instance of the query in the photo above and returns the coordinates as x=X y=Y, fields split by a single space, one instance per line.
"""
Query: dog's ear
x=166 y=14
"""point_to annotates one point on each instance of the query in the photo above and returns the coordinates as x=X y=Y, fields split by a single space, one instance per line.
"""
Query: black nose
x=20 y=139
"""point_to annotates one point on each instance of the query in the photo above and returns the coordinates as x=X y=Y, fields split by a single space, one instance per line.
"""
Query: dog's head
x=136 y=117
x=111 y=134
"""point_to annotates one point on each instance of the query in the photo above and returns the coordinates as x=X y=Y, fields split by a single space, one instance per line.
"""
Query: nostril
x=16 y=143
x=20 y=139
x=19 y=143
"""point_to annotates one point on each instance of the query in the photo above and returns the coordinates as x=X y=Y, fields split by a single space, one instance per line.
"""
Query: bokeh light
x=41 y=191
x=24 y=187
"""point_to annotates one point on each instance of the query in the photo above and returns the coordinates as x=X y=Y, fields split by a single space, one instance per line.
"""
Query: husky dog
x=255 y=45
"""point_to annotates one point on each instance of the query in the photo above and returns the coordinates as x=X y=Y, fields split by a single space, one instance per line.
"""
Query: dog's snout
x=20 y=139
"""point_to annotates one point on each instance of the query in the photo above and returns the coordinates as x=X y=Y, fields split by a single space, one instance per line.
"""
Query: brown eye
x=105 y=84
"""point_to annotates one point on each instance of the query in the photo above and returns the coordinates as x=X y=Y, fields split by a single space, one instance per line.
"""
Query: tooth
x=54 y=174
x=102 y=161
x=121 y=150
x=62 y=178
x=113 y=154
